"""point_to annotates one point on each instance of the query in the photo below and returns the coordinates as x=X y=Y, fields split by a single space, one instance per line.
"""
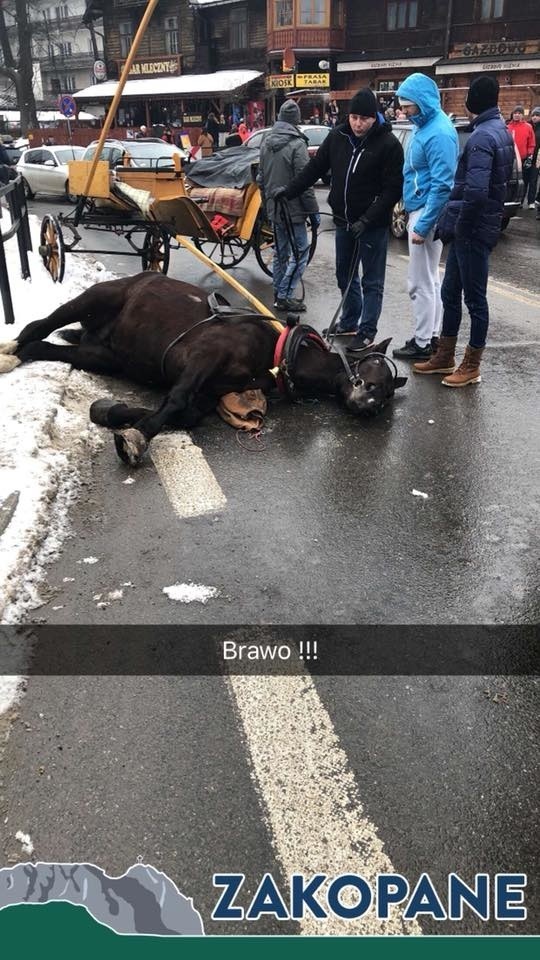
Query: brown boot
x=442 y=361
x=468 y=370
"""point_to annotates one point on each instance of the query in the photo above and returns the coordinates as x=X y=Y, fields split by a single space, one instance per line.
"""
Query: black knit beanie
x=364 y=103
x=483 y=94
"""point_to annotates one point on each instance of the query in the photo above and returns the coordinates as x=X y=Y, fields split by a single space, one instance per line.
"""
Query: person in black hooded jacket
x=365 y=160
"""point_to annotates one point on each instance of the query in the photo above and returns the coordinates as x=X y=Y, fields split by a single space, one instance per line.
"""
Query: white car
x=45 y=170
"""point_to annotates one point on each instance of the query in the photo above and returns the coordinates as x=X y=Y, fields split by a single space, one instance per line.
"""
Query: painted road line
x=188 y=480
x=310 y=794
x=499 y=286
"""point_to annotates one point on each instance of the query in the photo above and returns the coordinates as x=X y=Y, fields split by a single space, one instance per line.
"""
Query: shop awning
x=469 y=65
x=345 y=66
x=189 y=85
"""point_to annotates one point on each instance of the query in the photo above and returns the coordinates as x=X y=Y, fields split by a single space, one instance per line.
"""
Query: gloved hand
x=279 y=193
x=358 y=228
x=315 y=220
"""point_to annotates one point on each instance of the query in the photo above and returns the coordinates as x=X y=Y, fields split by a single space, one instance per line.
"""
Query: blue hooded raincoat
x=431 y=158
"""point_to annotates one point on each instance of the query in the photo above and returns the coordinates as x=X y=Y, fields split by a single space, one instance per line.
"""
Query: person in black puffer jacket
x=366 y=163
x=471 y=222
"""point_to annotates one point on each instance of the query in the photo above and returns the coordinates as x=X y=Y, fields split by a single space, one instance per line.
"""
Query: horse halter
x=389 y=363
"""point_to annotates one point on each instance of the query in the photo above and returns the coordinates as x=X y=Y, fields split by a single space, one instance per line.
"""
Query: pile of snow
x=35 y=466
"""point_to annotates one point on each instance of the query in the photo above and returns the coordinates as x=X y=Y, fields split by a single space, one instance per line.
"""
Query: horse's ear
x=381 y=347
x=400 y=382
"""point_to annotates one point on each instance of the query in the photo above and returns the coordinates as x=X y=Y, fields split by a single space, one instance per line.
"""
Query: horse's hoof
x=9 y=346
x=131 y=445
x=7 y=364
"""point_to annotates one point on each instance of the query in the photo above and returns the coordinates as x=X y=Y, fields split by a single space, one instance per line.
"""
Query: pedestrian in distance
x=212 y=127
x=524 y=139
x=206 y=143
x=471 y=223
x=534 y=120
x=284 y=154
x=428 y=177
x=366 y=163
x=233 y=139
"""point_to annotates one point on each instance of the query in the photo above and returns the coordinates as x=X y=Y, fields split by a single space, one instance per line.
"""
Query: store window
x=283 y=13
x=403 y=15
x=491 y=9
x=313 y=12
x=172 y=42
x=126 y=37
x=238 y=28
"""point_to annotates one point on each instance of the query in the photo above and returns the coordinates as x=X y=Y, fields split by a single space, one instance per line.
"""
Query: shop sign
x=312 y=79
x=192 y=118
x=278 y=82
x=166 y=67
x=501 y=49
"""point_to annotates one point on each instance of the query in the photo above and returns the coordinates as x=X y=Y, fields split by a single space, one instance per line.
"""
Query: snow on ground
x=38 y=477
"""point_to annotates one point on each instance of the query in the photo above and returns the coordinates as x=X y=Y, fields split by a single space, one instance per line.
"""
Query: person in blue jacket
x=430 y=165
x=471 y=222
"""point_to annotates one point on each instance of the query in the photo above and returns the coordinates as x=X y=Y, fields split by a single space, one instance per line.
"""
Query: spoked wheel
x=399 y=220
x=227 y=253
x=263 y=244
x=156 y=251
x=51 y=248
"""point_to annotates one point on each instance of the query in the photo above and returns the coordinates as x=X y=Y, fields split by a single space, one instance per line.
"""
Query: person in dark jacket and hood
x=471 y=221
x=366 y=163
x=284 y=154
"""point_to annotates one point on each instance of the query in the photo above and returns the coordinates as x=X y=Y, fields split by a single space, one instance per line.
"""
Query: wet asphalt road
x=320 y=527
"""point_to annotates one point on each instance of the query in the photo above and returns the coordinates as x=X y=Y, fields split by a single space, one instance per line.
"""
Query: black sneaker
x=411 y=351
x=359 y=343
x=294 y=306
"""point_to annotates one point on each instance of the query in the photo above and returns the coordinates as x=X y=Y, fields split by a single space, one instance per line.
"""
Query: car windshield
x=144 y=154
x=69 y=153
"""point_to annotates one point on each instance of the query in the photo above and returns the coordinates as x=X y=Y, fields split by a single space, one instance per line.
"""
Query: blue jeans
x=287 y=271
x=466 y=272
x=364 y=302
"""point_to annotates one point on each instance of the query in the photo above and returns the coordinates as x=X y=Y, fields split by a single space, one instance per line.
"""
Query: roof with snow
x=224 y=81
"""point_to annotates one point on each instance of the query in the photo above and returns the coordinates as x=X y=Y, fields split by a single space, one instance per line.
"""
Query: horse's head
x=376 y=382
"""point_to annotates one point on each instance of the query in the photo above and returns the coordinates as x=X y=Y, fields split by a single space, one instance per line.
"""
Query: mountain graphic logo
x=141 y=902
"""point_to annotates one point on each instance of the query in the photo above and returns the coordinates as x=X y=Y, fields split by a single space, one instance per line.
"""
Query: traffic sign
x=100 y=70
x=67 y=105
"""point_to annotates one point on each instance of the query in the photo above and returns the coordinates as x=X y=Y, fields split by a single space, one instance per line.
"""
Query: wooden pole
x=152 y=4
x=260 y=307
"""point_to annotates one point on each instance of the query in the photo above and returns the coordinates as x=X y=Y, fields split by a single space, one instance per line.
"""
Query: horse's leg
x=91 y=356
x=180 y=407
x=114 y=415
x=91 y=308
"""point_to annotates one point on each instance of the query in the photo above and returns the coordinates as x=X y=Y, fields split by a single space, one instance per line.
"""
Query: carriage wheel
x=227 y=253
x=51 y=248
x=156 y=251
x=263 y=244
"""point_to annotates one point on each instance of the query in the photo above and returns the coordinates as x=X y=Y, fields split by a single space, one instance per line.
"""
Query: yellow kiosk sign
x=312 y=79
x=277 y=81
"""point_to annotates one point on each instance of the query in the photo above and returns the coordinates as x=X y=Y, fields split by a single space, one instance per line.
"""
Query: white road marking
x=312 y=800
x=188 y=480
x=499 y=286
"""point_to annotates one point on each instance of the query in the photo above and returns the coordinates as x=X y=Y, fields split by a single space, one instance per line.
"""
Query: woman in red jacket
x=524 y=139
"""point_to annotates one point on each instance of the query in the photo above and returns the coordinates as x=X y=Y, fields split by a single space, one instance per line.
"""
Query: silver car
x=45 y=170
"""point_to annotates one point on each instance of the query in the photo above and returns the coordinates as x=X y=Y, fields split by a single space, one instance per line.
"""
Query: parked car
x=145 y=152
x=45 y=170
x=514 y=190
x=14 y=148
x=315 y=136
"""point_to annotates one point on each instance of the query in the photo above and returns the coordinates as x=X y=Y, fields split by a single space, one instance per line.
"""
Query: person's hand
x=417 y=238
x=279 y=193
x=358 y=228
x=315 y=220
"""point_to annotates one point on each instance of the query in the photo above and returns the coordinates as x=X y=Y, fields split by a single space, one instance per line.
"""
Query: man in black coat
x=365 y=160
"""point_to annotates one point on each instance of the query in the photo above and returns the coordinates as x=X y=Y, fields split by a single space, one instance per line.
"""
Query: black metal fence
x=12 y=196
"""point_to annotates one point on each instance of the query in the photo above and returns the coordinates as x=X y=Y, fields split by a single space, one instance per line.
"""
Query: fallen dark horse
x=130 y=329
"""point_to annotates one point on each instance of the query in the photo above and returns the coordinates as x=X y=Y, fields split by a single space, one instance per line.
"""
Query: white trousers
x=424 y=284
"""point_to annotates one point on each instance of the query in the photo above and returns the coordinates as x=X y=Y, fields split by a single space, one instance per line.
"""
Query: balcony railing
x=307 y=38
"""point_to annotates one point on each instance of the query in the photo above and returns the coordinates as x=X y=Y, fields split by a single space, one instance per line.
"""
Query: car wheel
x=70 y=197
x=27 y=191
x=505 y=222
x=399 y=221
